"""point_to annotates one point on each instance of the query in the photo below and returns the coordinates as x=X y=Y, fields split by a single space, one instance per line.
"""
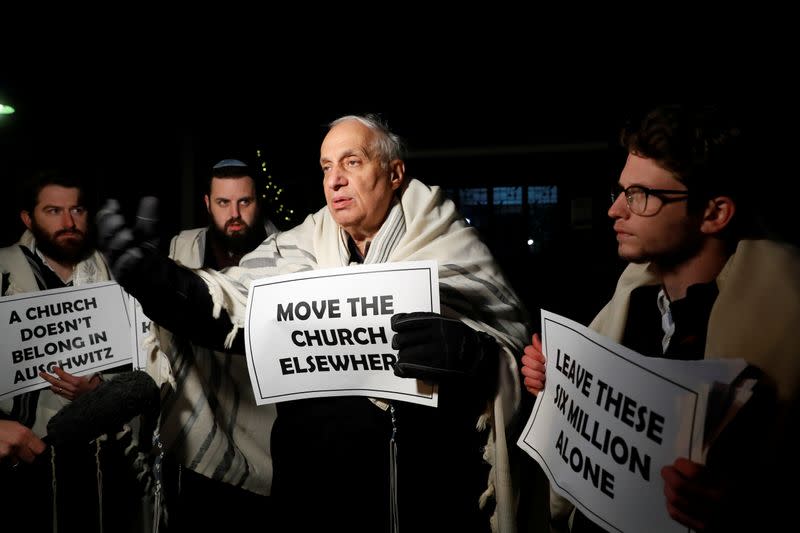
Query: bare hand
x=18 y=443
x=533 y=366
x=693 y=495
x=68 y=386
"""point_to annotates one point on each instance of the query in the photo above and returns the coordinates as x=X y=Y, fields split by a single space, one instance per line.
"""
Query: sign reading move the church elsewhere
x=328 y=333
x=605 y=424
x=82 y=329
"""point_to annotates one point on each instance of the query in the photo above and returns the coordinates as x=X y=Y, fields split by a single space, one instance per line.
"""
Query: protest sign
x=142 y=326
x=82 y=329
x=327 y=332
x=607 y=421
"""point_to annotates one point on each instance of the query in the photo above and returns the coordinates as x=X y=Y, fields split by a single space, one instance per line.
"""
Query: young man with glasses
x=698 y=287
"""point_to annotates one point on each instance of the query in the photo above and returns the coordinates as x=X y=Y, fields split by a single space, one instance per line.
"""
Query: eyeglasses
x=637 y=197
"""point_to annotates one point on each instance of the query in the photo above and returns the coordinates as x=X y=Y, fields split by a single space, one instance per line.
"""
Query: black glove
x=172 y=296
x=124 y=248
x=434 y=348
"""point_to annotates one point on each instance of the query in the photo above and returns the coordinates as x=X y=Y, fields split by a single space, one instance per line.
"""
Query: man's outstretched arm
x=172 y=296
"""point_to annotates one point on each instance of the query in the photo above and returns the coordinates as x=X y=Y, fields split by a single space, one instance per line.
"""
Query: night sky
x=139 y=134
x=159 y=132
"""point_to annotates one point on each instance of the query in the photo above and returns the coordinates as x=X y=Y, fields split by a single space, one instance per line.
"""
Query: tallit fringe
x=489 y=456
x=215 y=289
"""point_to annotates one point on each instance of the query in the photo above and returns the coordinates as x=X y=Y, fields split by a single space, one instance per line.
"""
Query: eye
x=245 y=201
x=352 y=162
x=222 y=203
x=78 y=210
x=52 y=210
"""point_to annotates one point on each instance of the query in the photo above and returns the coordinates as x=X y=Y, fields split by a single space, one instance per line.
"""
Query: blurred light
x=530 y=242
x=468 y=220
x=6 y=109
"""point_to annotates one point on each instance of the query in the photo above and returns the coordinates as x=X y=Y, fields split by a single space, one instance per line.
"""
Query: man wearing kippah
x=218 y=449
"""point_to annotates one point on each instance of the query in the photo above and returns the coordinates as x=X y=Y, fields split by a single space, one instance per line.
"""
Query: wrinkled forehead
x=347 y=138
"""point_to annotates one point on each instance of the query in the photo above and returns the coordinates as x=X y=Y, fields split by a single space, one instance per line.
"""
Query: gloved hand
x=174 y=297
x=125 y=248
x=434 y=348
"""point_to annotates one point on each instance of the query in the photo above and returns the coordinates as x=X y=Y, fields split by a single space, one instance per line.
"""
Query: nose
x=335 y=179
x=234 y=211
x=619 y=207
x=67 y=219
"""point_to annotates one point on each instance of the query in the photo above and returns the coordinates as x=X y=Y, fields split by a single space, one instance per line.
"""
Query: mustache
x=236 y=221
x=73 y=231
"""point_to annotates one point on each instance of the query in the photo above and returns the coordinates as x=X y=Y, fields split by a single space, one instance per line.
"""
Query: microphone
x=105 y=409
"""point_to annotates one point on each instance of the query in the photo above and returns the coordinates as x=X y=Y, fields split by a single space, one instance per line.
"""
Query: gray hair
x=387 y=145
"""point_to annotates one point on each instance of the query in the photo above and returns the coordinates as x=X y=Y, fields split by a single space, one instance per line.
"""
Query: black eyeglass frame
x=648 y=192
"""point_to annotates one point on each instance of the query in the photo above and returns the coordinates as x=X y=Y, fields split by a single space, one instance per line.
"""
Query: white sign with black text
x=142 y=326
x=82 y=329
x=328 y=333
x=607 y=421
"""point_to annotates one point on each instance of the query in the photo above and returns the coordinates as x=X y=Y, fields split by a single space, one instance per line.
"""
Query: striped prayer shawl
x=422 y=225
x=209 y=418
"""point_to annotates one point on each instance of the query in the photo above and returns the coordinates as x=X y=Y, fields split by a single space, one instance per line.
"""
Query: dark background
x=148 y=134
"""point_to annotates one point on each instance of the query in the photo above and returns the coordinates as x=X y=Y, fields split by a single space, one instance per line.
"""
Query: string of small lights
x=271 y=197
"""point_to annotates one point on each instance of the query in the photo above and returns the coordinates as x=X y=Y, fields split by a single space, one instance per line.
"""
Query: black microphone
x=105 y=409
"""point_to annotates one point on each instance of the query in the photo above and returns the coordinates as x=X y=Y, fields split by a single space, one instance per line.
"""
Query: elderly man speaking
x=332 y=466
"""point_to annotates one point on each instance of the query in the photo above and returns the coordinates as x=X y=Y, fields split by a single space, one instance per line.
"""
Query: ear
x=718 y=214
x=397 y=173
x=208 y=202
x=26 y=218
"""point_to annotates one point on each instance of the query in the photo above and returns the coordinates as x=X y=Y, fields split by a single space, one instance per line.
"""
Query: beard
x=70 y=250
x=242 y=241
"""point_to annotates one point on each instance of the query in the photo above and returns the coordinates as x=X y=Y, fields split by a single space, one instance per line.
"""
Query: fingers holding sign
x=692 y=492
x=533 y=361
x=69 y=386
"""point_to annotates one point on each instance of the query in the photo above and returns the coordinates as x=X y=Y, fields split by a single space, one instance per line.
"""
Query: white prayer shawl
x=754 y=317
x=209 y=418
x=91 y=270
x=421 y=225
